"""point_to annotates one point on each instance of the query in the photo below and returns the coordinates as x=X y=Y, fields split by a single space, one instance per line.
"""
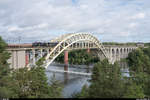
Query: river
x=73 y=83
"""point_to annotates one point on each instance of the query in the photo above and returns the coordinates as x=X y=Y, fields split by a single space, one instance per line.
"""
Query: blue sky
x=42 y=20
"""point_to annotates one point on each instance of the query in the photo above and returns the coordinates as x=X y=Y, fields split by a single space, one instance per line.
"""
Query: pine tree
x=33 y=83
x=139 y=65
x=134 y=91
x=106 y=81
x=84 y=92
x=55 y=88
x=5 y=79
x=25 y=83
x=138 y=61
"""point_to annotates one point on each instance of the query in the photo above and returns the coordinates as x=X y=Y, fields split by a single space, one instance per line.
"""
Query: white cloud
x=125 y=34
x=13 y=28
x=138 y=16
x=44 y=19
x=133 y=25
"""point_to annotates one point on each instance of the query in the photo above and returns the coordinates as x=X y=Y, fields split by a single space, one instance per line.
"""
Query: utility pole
x=19 y=39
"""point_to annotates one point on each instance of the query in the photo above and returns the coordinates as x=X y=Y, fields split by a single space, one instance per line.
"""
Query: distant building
x=140 y=44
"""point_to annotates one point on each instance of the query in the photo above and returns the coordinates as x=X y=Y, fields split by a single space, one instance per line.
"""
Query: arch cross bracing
x=67 y=40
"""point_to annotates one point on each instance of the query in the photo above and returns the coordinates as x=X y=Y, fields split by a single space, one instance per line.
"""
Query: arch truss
x=74 y=40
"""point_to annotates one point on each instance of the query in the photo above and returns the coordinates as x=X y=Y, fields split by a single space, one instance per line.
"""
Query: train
x=32 y=45
x=44 y=44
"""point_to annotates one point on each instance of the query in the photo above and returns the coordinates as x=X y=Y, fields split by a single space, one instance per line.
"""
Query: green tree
x=5 y=79
x=79 y=57
x=134 y=91
x=138 y=61
x=139 y=65
x=55 y=88
x=106 y=81
x=83 y=94
x=24 y=82
x=146 y=51
x=40 y=62
x=33 y=83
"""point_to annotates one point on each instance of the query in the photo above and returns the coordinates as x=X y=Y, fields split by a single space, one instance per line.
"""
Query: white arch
x=70 y=39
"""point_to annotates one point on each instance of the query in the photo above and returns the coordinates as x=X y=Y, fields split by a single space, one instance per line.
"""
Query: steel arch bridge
x=66 y=41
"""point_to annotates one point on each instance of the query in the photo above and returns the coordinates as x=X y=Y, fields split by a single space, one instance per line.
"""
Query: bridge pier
x=66 y=77
x=17 y=59
x=41 y=53
x=27 y=58
x=33 y=56
x=88 y=50
x=47 y=51
x=66 y=60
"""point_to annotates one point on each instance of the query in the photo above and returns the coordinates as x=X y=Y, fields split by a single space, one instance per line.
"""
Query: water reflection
x=66 y=77
x=73 y=83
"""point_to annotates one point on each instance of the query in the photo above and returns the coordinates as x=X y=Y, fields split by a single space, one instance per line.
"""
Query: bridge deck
x=70 y=72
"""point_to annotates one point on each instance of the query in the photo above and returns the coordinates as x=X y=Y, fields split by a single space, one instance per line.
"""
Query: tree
x=4 y=56
x=138 y=61
x=134 y=91
x=79 y=57
x=40 y=62
x=106 y=81
x=147 y=88
x=139 y=65
x=5 y=79
x=83 y=94
x=147 y=51
x=55 y=89
x=39 y=84
x=21 y=80
x=33 y=83
x=24 y=83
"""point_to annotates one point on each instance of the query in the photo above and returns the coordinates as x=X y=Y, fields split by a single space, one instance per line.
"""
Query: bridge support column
x=118 y=54
x=41 y=53
x=66 y=60
x=33 y=56
x=113 y=56
x=82 y=45
x=110 y=55
x=47 y=51
x=66 y=77
x=125 y=54
x=88 y=50
x=27 y=58
x=76 y=45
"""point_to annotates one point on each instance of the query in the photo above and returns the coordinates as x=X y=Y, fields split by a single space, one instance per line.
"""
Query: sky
x=43 y=20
